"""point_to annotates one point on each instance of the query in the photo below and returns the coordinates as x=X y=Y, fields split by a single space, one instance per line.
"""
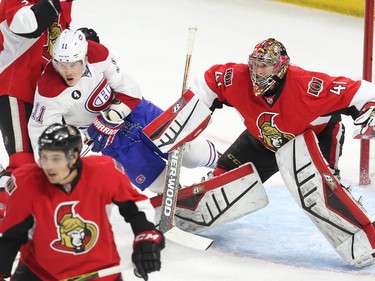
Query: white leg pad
x=219 y=200
x=340 y=218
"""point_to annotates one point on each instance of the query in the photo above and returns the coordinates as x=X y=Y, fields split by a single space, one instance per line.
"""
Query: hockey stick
x=97 y=274
x=364 y=133
x=172 y=180
x=89 y=145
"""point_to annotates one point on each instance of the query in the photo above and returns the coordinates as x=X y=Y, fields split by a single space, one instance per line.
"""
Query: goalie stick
x=364 y=133
x=99 y=273
x=89 y=145
x=172 y=180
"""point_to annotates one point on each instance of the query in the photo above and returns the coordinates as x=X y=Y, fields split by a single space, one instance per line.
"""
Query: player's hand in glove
x=102 y=131
x=90 y=34
x=366 y=118
x=146 y=252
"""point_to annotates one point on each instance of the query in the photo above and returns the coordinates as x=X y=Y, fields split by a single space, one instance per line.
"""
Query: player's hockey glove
x=146 y=252
x=366 y=117
x=102 y=131
x=90 y=34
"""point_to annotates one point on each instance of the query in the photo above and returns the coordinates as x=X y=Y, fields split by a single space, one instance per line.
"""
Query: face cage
x=262 y=84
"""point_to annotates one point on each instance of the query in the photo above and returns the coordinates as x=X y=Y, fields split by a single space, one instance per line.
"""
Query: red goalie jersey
x=306 y=100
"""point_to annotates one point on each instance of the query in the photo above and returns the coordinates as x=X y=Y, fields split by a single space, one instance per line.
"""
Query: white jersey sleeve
x=124 y=86
x=200 y=88
x=46 y=111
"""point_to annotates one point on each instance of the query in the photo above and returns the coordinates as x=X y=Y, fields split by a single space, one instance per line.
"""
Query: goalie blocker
x=340 y=218
x=219 y=200
x=180 y=123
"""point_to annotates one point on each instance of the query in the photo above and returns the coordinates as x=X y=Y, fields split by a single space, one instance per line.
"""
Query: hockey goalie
x=293 y=125
x=238 y=192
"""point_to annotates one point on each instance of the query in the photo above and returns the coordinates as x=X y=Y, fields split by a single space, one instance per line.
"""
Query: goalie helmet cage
x=367 y=159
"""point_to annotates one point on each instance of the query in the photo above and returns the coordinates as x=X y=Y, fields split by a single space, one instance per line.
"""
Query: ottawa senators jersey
x=22 y=59
x=103 y=80
x=306 y=102
x=71 y=233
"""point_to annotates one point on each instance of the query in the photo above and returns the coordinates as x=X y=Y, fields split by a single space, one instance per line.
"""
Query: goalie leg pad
x=340 y=218
x=180 y=123
x=219 y=200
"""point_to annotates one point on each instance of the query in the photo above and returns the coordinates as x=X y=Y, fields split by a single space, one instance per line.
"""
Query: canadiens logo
x=100 y=98
x=75 y=235
x=140 y=179
x=270 y=134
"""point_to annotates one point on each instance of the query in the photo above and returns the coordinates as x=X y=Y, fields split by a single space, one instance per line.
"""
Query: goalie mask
x=268 y=63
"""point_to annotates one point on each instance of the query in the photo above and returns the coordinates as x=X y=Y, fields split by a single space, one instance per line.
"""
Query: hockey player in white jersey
x=84 y=86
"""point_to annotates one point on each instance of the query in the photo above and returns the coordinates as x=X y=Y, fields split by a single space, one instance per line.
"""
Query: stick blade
x=187 y=239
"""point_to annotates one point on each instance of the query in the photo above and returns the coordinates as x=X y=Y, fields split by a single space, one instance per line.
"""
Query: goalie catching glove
x=102 y=131
x=146 y=252
x=366 y=118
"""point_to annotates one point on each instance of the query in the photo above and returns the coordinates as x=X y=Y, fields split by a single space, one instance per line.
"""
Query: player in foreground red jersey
x=62 y=203
x=293 y=125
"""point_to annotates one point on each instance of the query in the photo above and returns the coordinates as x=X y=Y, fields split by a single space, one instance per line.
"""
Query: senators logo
x=271 y=136
x=75 y=235
x=54 y=31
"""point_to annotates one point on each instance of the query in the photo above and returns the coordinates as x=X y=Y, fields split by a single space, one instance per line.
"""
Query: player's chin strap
x=340 y=218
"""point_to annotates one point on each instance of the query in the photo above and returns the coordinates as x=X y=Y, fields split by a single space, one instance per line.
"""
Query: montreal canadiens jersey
x=305 y=103
x=103 y=80
x=22 y=59
x=71 y=233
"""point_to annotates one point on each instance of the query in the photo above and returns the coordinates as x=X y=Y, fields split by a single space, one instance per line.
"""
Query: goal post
x=365 y=152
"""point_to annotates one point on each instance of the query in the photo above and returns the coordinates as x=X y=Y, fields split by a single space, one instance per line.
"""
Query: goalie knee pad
x=340 y=218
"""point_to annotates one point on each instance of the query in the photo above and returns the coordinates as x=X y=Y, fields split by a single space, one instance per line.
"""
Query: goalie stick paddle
x=100 y=273
x=172 y=180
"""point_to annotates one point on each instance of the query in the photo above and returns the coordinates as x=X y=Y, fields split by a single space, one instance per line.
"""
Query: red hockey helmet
x=268 y=63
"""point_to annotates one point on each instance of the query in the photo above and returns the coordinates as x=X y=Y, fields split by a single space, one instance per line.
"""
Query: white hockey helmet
x=70 y=46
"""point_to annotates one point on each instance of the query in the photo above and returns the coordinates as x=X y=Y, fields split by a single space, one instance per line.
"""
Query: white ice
x=149 y=40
